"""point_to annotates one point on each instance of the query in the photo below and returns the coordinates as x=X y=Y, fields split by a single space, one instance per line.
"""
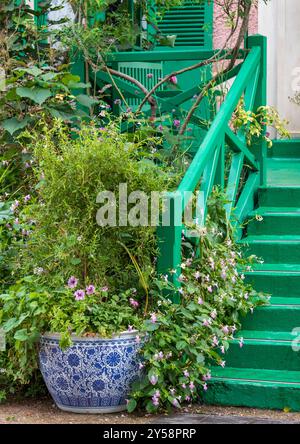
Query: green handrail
x=207 y=167
x=220 y=123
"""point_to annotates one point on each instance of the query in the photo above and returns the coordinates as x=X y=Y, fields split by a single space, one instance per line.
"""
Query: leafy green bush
x=67 y=241
x=186 y=339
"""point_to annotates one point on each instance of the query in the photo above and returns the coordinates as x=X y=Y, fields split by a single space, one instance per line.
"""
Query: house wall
x=279 y=21
x=221 y=30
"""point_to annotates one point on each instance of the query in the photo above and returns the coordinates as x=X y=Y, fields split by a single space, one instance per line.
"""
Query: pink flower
x=150 y=75
x=223 y=274
x=186 y=373
x=27 y=198
x=209 y=289
x=153 y=318
x=79 y=295
x=206 y=377
x=15 y=205
x=215 y=341
x=90 y=290
x=176 y=404
x=153 y=379
x=213 y=314
x=187 y=398
x=200 y=301
x=155 y=401
x=72 y=282
x=130 y=328
x=133 y=303
x=137 y=339
x=205 y=387
x=192 y=386
x=104 y=289
x=197 y=275
x=222 y=349
x=206 y=322
x=176 y=123
x=225 y=329
x=241 y=342
x=223 y=363
x=174 y=80
x=141 y=366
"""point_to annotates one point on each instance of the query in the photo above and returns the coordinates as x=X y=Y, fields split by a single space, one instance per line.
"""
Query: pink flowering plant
x=186 y=339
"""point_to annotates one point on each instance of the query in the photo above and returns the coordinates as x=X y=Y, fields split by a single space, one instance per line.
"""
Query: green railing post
x=169 y=242
x=261 y=100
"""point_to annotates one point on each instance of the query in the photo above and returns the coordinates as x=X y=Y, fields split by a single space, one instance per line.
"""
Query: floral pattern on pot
x=93 y=375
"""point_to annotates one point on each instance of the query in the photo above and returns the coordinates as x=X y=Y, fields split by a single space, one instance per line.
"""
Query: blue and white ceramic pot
x=94 y=375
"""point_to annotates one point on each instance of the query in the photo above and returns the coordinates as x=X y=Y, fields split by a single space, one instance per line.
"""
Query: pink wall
x=220 y=29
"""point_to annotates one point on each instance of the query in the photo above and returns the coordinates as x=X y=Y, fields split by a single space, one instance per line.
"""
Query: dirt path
x=43 y=411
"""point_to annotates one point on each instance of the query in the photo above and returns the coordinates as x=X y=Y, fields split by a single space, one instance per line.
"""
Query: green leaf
x=68 y=77
x=12 y=125
x=34 y=71
x=78 y=85
x=167 y=40
x=21 y=335
x=37 y=95
x=181 y=345
x=131 y=406
x=85 y=100
x=75 y=261
x=49 y=76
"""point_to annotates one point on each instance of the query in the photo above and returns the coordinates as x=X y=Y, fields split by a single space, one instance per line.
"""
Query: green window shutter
x=192 y=23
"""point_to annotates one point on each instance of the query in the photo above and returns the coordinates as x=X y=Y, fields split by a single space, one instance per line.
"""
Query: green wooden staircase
x=265 y=372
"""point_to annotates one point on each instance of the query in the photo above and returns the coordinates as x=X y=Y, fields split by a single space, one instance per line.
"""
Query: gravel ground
x=43 y=411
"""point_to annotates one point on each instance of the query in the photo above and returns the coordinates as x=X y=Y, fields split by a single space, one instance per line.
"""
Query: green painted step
x=273 y=249
x=269 y=389
x=279 y=280
x=283 y=172
x=275 y=300
x=275 y=220
x=263 y=354
x=264 y=335
x=285 y=149
x=273 y=318
x=279 y=196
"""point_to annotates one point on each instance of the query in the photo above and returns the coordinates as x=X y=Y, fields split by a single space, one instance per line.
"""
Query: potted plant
x=78 y=291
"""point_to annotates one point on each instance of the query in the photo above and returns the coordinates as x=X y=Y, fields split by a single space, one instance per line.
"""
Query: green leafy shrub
x=184 y=340
x=67 y=241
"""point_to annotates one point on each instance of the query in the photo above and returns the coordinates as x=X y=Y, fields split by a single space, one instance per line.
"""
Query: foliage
x=184 y=340
x=28 y=310
x=70 y=173
x=253 y=124
x=36 y=81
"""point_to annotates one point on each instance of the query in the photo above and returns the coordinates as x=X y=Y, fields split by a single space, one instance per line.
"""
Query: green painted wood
x=276 y=222
x=165 y=56
x=220 y=170
x=169 y=243
x=233 y=182
x=273 y=319
x=237 y=145
x=208 y=180
x=261 y=100
x=219 y=124
x=245 y=204
x=191 y=23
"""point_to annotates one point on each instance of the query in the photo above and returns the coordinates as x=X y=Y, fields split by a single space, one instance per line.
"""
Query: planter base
x=92 y=411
